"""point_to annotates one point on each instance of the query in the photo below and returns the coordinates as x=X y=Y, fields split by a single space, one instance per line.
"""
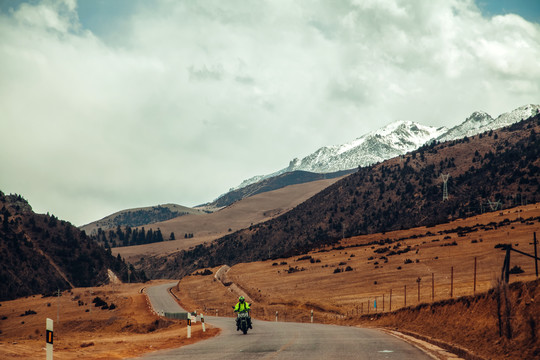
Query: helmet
x=241 y=299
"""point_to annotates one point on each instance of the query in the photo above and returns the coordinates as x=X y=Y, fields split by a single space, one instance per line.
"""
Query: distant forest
x=128 y=237
x=146 y=216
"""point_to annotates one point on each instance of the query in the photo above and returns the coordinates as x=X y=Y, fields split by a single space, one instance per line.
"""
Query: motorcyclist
x=242 y=306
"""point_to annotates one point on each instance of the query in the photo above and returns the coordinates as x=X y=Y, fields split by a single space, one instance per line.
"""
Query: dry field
x=240 y=215
x=86 y=331
x=293 y=287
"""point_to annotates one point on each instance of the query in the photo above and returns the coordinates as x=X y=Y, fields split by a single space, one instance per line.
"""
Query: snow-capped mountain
x=395 y=139
x=392 y=140
x=480 y=121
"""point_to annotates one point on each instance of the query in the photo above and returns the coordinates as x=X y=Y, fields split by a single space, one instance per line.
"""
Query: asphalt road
x=284 y=340
x=161 y=299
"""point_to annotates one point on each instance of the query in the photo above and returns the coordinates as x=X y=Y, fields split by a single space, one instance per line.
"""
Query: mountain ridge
x=400 y=193
x=139 y=216
x=394 y=139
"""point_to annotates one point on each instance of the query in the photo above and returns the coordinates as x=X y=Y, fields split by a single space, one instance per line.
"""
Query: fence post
x=432 y=287
x=452 y=282
x=474 y=286
x=405 y=296
x=535 y=254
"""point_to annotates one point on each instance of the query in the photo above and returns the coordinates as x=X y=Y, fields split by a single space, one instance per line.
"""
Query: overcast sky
x=108 y=105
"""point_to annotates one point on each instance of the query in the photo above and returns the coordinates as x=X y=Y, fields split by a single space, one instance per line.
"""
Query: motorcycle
x=243 y=322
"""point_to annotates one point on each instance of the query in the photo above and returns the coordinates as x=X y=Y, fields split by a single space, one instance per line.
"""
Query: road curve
x=284 y=340
x=161 y=300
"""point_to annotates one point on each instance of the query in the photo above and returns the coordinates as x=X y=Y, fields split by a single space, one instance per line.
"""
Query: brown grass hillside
x=295 y=286
x=498 y=167
x=240 y=215
x=88 y=332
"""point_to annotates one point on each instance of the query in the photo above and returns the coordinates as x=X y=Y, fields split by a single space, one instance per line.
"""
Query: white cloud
x=190 y=98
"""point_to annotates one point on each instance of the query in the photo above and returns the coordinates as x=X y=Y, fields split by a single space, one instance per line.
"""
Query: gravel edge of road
x=438 y=349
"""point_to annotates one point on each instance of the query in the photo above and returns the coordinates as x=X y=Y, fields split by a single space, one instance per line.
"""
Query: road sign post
x=49 y=339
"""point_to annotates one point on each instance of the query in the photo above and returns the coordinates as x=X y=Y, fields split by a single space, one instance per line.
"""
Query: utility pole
x=58 y=308
x=494 y=205
x=445 y=186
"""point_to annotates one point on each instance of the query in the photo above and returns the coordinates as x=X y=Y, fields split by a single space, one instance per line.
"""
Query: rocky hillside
x=496 y=168
x=41 y=253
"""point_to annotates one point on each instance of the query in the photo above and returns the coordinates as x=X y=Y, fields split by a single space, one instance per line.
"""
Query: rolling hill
x=139 y=216
x=496 y=168
x=192 y=230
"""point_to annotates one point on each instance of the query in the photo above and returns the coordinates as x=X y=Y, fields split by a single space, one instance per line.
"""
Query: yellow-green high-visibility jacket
x=241 y=307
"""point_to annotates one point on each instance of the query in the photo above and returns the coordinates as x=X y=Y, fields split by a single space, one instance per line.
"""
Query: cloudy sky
x=107 y=105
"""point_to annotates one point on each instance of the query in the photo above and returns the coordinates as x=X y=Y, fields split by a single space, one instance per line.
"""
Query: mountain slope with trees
x=138 y=217
x=273 y=183
x=41 y=254
x=496 y=168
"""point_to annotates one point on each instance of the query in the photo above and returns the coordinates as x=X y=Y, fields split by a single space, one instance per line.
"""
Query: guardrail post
x=49 y=339
x=202 y=322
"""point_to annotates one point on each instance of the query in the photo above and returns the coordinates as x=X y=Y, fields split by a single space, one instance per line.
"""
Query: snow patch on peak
x=480 y=121
x=394 y=139
x=521 y=113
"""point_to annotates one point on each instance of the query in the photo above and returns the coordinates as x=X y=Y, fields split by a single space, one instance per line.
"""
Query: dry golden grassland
x=293 y=287
x=88 y=332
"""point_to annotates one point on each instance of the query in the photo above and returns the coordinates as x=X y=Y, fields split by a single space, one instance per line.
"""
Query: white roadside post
x=189 y=328
x=49 y=339
x=276 y=315
x=202 y=322
x=312 y=316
